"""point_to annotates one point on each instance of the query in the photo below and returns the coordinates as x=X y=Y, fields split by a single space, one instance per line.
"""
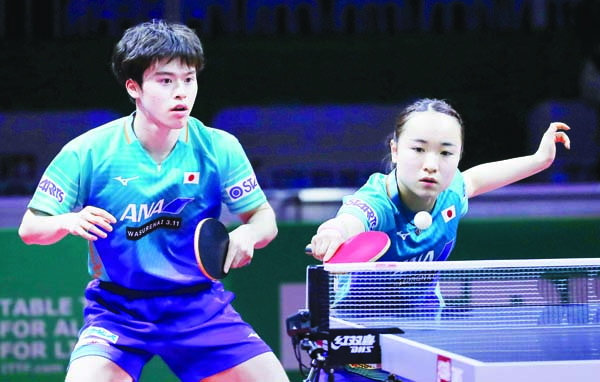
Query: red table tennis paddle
x=362 y=248
x=211 y=241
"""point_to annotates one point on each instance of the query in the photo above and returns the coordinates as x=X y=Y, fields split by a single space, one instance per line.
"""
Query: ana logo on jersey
x=142 y=212
x=139 y=212
x=430 y=255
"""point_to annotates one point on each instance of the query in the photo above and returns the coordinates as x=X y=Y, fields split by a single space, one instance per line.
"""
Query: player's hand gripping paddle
x=362 y=248
x=211 y=242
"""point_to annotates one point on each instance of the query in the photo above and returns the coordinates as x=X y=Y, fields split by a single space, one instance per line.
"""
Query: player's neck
x=403 y=196
x=414 y=202
x=157 y=141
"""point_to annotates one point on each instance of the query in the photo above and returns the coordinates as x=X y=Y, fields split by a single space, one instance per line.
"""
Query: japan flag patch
x=449 y=213
x=191 y=177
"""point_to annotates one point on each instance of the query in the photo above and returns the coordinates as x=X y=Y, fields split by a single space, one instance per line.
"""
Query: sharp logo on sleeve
x=49 y=187
x=243 y=187
x=366 y=209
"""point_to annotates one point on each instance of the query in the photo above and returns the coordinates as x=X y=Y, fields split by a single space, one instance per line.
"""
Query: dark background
x=493 y=74
x=51 y=59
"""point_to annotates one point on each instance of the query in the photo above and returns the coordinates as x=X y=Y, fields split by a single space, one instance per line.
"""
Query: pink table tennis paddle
x=362 y=248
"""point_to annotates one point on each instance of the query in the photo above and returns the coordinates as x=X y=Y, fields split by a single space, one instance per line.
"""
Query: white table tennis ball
x=422 y=220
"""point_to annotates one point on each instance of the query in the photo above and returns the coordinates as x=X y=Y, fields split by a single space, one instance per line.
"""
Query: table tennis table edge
x=407 y=358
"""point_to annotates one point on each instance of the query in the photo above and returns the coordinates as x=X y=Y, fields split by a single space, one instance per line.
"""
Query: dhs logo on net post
x=356 y=344
x=243 y=187
x=353 y=346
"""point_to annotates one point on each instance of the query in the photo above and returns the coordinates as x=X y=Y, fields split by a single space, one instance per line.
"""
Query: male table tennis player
x=136 y=188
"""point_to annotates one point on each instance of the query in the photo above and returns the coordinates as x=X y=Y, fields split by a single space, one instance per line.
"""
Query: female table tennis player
x=425 y=152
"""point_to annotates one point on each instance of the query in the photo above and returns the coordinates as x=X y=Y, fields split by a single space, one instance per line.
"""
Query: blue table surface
x=517 y=334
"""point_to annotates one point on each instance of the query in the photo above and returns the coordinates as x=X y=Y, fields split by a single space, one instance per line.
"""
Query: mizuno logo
x=403 y=235
x=124 y=181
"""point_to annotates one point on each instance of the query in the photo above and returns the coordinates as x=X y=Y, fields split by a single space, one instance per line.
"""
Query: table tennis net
x=460 y=294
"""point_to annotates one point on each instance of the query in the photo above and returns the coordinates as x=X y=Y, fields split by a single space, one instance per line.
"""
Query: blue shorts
x=197 y=334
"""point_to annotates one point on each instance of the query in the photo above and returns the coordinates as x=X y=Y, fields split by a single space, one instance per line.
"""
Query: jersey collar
x=393 y=192
x=391 y=187
x=184 y=134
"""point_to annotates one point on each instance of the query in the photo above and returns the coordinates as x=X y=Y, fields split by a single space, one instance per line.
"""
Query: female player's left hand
x=546 y=152
x=241 y=247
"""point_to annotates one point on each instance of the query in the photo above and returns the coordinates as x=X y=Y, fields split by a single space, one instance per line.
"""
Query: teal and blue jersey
x=378 y=205
x=156 y=206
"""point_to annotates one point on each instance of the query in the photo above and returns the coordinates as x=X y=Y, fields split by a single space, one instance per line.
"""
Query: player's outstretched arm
x=90 y=223
x=332 y=233
x=490 y=176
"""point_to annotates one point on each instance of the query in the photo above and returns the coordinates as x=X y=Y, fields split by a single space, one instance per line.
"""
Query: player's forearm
x=263 y=225
x=345 y=225
x=41 y=229
x=493 y=175
x=490 y=176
